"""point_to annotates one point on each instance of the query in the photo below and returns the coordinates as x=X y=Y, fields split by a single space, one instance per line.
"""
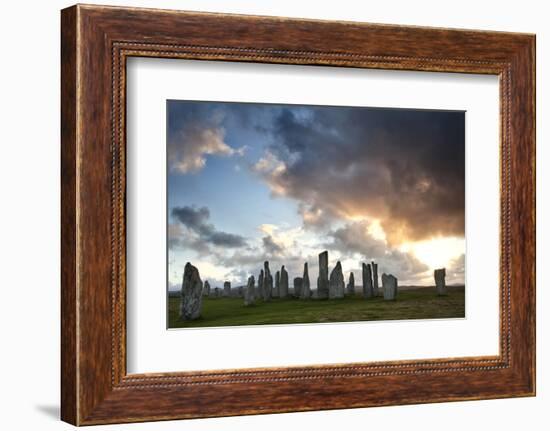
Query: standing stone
x=226 y=289
x=260 y=293
x=206 y=288
x=249 y=294
x=337 y=284
x=283 y=284
x=389 y=284
x=268 y=282
x=350 y=290
x=217 y=292
x=439 y=276
x=191 y=293
x=240 y=291
x=374 y=278
x=367 y=281
x=275 y=292
x=305 y=292
x=322 y=280
x=297 y=286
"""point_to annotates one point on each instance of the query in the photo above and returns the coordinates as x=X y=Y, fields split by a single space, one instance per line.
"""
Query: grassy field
x=410 y=304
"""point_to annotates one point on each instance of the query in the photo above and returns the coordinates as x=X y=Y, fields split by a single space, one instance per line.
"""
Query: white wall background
x=29 y=216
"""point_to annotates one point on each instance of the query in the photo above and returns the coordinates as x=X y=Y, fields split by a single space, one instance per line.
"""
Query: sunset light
x=437 y=252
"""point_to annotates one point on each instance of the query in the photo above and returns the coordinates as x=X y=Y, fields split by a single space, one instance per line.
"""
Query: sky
x=251 y=182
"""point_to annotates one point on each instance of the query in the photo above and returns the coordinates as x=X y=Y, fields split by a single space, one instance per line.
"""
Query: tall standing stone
x=191 y=293
x=260 y=293
x=389 y=284
x=226 y=289
x=268 y=282
x=322 y=280
x=367 y=281
x=206 y=288
x=275 y=292
x=298 y=286
x=439 y=276
x=337 y=284
x=283 y=283
x=374 y=278
x=305 y=293
x=350 y=290
x=249 y=293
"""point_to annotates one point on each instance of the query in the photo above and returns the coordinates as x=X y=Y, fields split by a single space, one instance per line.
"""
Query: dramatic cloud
x=313 y=216
x=403 y=167
x=271 y=247
x=279 y=245
x=194 y=133
x=363 y=183
x=355 y=240
x=196 y=220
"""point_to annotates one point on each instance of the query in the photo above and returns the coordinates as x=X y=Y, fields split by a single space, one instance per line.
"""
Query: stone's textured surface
x=322 y=280
x=206 y=288
x=375 y=279
x=350 y=289
x=283 y=283
x=389 y=284
x=260 y=293
x=305 y=293
x=367 y=281
x=191 y=293
x=268 y=282
x=297 y=286
x=275 y=293
x=249 y=292
x=439 y=276
x=337 y=285
x=226 y=289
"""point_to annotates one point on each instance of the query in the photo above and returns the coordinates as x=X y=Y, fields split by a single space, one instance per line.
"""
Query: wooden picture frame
x=95 y=43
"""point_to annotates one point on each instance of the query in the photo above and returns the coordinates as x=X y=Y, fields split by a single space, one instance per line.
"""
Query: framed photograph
x=267 y=215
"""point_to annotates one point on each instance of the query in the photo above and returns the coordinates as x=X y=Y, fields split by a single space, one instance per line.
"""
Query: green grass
x=410 y=304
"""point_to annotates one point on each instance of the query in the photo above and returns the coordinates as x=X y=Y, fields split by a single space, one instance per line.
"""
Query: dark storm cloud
x=196 y=220
x=193 y=218
x=404 y=167
x=224 y=239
